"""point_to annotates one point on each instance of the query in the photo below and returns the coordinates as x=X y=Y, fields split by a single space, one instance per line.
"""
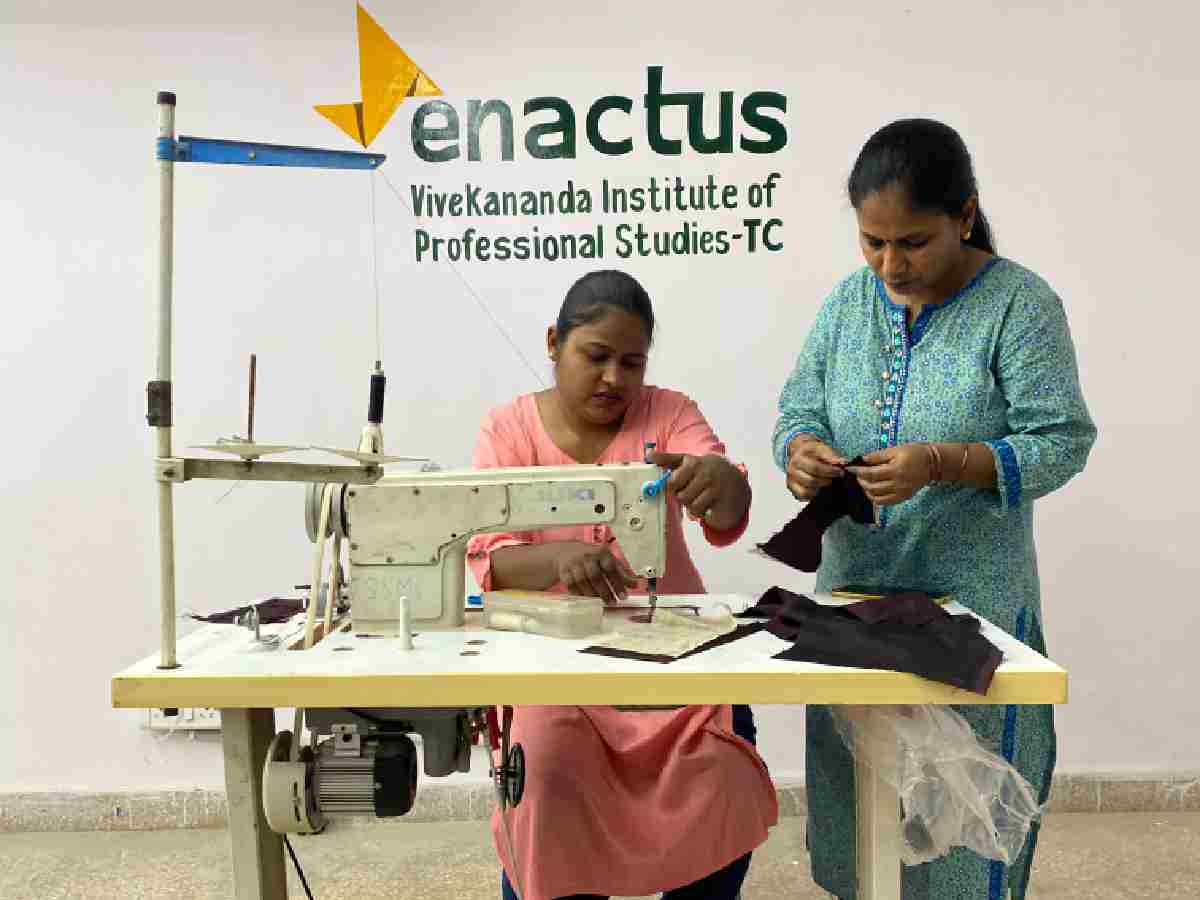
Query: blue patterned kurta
x=993 y=364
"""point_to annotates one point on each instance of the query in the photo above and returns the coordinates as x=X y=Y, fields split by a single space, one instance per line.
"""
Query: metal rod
x=166 y=506
x=309 y=473
x=878 y=824
x=250 y=418
x=251 y=153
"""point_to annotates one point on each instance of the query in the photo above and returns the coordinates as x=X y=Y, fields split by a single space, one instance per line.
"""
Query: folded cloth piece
x=907 y=608
x=907 y=633
x=277 y=609
x=671 y=636
x=798 y=543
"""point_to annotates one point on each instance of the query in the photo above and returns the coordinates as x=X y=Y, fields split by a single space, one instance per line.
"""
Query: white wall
x=1079 y=117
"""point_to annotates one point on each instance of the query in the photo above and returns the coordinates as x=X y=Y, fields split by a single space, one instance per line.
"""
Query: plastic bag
x=954 y=792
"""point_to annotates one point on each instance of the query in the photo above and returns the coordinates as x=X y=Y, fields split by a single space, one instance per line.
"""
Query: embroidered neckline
x=919 y=325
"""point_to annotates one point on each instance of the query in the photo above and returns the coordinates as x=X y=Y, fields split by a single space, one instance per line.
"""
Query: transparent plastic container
x=537 y=612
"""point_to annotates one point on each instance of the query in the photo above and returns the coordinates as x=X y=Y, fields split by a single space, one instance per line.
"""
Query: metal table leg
x=878 y=808
x=258 y=865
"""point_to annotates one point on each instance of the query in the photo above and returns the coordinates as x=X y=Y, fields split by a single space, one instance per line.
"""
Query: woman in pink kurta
x=621 y=802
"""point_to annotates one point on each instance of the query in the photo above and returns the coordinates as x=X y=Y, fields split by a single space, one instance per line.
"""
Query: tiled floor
x=1107 y=856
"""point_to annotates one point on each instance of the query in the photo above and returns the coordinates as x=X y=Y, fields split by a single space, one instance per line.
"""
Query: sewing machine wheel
x=514 y=775
x=312 y=511
x=289 y=795
x=338 y=521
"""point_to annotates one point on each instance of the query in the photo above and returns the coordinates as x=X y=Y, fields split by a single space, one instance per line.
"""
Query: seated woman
x=617 y=801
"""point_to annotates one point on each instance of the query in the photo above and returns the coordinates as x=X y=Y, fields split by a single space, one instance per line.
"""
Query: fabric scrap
x=906 y=633
x=798 y=543
x=277 y=609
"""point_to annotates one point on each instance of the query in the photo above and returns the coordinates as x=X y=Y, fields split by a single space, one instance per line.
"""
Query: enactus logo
x=551 y=128
x=760 y=130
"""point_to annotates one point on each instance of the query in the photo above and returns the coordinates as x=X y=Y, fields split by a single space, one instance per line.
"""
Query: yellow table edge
x=837 y=686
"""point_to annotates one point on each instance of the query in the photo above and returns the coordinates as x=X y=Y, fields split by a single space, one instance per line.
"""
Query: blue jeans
x=723 y=884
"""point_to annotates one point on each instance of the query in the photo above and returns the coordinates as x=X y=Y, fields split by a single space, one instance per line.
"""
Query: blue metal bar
x=246 y=153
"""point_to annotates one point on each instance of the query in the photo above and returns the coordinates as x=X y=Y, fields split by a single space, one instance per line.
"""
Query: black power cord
x=296 y=863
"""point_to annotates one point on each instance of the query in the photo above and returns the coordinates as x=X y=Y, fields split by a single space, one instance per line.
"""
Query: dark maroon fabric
x=907 y=633
x=277 y=609
x=907 y=608
x=798 y=543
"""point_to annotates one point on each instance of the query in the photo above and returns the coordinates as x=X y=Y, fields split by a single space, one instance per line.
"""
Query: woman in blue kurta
x=952 y=371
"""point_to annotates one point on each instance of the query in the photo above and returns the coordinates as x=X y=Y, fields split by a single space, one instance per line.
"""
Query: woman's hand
x=893 y=475
x=812 y=465
x=591 y=571
x=709 y=487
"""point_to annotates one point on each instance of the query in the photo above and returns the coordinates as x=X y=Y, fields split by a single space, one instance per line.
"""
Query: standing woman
x=952 y=369
x=624 y=802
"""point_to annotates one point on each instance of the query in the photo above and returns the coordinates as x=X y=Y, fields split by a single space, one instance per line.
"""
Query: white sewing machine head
x=408 y=533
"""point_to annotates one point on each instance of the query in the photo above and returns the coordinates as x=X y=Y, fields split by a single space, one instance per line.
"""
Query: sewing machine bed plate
x=221 y=667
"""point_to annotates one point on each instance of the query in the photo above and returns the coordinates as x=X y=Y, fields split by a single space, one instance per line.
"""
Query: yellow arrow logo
x=387 y=75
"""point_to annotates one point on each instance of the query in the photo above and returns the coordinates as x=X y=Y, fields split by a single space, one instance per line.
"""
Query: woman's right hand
x=811 y=466
x=591 y=571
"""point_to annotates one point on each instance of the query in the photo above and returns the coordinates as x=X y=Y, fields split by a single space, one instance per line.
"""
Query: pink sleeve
x=494 y=449
x=690 y=433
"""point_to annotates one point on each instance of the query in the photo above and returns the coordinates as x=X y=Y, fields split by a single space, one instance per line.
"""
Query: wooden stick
x=335 y=581
x=315 y=590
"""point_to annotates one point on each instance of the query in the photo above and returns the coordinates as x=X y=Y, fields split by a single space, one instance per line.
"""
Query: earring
x=966 y=235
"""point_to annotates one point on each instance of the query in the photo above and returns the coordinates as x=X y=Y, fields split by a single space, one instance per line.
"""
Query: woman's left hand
x=893 y=475
x=709 y=487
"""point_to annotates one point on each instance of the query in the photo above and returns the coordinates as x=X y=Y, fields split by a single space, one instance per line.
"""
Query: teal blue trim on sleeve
x=1009 y=474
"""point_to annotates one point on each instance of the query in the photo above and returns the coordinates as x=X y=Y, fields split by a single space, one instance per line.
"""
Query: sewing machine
x=408 y=533
x=408 y=536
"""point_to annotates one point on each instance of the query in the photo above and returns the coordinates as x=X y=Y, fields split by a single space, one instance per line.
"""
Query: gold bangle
x=935 y=468
x=962 y=468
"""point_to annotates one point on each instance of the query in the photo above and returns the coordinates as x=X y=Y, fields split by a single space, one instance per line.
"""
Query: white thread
x=471 y=290
x=375 y=269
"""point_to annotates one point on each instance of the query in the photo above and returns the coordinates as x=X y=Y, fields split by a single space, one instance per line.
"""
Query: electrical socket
x=200 y=718
x=207 y=718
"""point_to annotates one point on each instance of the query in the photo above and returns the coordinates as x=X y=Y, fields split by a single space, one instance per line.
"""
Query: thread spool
x=378 y=384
